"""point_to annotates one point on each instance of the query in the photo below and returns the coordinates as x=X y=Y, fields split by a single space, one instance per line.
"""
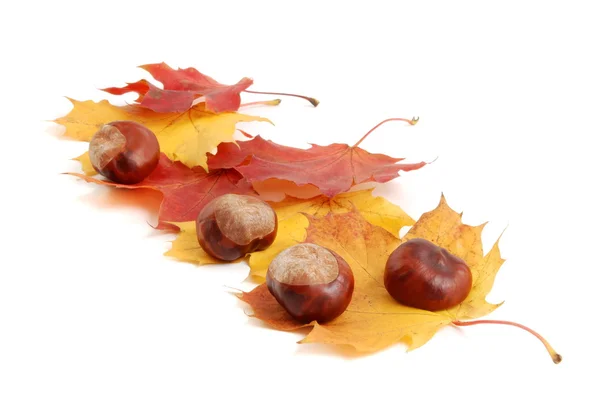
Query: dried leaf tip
x=313 y=101
x=557 y=358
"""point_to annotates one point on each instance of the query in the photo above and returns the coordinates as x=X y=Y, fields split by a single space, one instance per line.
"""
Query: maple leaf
x=185 y=191
x=275 y=190
x=180 y=88
x=333 y=169
x=183 y=86
x=292 y=224
x=373 y=320
x=186 y=248
x=185 y=137
x=86 y=164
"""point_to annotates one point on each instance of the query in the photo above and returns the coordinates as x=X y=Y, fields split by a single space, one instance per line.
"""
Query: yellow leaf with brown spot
x=374 y=320
x=292 y=224
x=185 y=137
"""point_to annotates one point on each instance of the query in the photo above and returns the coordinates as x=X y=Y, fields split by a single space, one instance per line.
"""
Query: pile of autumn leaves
x=311 y=192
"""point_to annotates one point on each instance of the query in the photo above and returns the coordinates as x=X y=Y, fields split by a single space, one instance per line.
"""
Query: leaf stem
x=312 y=100
x=411 y=122
x=556 y=357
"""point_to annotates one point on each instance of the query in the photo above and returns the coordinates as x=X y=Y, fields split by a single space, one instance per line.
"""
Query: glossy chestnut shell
x=125 y=152
x=311 y=282
x=423 y=275
x=231 y=225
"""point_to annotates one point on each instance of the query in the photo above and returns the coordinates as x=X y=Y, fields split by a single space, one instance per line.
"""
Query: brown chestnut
x=125 y=152
x=311 y=282
x=230 y=226
x=423 y=275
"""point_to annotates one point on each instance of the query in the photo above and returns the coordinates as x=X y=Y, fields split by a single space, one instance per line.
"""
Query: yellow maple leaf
x=292 y=225
x=186 y=248
x=86 y=164
x=185 y=137
x=374 y=320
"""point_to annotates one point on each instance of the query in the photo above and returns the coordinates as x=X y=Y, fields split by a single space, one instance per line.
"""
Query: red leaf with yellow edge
x=185 y=190
x=333 y=169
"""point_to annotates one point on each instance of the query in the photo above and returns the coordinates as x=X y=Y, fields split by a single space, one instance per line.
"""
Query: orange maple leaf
x=374 y=320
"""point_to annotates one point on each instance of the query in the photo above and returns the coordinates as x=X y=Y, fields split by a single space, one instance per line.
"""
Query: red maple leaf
x=333 y=168
x=183 y=86
x=185 y=190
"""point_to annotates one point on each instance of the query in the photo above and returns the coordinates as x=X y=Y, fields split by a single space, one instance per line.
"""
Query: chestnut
x=311 y=282
x=230 y=226
x=423 y=275
x=125 y=152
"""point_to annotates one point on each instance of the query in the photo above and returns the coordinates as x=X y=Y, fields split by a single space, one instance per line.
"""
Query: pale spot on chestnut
x=126 y=152
x=105 y=145
x=311 y=282
x=231 y=226
x=304 y=264
x=243 y=219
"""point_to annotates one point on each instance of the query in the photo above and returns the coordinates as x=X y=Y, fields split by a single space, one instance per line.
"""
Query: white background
x=508 y=99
